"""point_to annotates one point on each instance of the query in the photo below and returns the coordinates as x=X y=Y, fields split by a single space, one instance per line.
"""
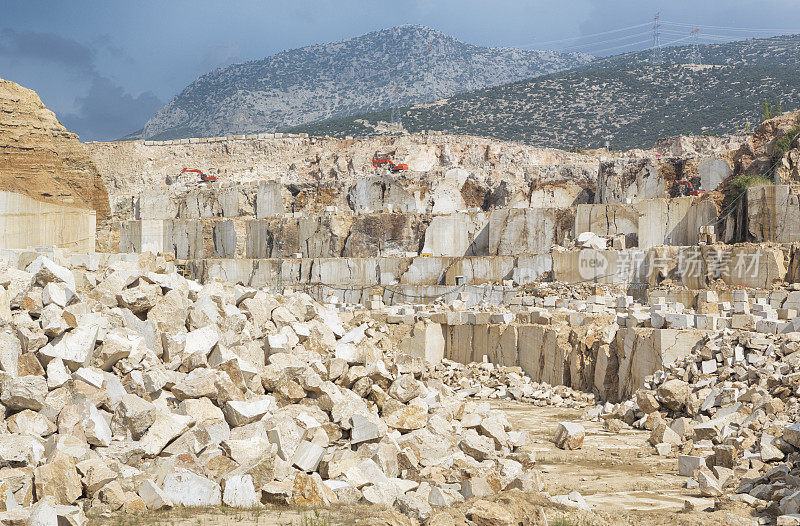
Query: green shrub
x=766 y=111
x=739 y=185
x=785 y=142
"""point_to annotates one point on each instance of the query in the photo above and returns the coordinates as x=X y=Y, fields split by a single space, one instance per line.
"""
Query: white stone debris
x=153 y=391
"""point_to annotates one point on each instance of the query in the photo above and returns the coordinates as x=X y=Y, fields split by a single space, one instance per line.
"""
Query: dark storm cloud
x=106 y=111
x=104 y=43
x=109 y=112
x=47 y=47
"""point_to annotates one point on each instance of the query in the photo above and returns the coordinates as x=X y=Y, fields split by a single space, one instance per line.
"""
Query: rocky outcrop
x=702 y=145
x=39 y=158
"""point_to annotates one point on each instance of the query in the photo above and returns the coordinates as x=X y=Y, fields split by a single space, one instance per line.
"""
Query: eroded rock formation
x=39 y=158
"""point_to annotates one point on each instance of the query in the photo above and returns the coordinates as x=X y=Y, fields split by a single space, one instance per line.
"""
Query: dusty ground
x=616 y=473
x=611 y=470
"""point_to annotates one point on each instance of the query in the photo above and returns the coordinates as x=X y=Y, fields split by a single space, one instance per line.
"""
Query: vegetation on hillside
x=392 y=67
x=631 y=106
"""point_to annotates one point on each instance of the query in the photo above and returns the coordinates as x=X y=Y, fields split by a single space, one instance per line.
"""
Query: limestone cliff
x=760 y=155
x=39 y=158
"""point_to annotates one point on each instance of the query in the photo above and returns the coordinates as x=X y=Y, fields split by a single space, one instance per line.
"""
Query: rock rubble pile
x=489 y=381
x=133 y=388
x=730 y=413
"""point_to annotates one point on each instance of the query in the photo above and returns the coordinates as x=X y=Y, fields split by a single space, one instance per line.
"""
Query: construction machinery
x=204 y=178
x=686 y=188
x=184 y=270
x=381 y=160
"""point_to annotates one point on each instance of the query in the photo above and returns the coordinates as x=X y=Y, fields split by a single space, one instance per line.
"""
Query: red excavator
x=381 y=159
x=686 y=188
x=204 y=178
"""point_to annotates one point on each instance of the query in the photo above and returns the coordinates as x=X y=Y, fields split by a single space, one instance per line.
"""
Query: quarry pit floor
x=618 y=474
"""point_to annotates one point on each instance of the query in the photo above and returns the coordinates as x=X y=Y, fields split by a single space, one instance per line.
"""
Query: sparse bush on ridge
x=740 y=184
x=784 y=143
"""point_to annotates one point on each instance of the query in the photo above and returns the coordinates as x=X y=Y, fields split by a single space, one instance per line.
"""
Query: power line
x=729 y=38
x=755 y=41
x=582 y=42
x=588 y=44
x=642 y=42
x=676 y=41
x=624 y=45
x=588 y=36
x=728 y=28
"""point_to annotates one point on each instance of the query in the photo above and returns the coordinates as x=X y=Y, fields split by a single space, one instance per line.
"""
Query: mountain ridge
x=623 y=99
x=395 y=66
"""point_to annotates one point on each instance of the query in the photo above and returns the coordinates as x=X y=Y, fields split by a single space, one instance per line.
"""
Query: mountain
x=623 y=99
x=392 y=67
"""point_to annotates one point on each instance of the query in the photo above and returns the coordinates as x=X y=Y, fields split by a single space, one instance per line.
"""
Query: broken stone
x=75 y=348
x=477 y=446
x=57 y=374
x=95 y=474
x=165 y=428
x=26 y=392
x=569 y=435
x=673 y=394
x=688 y=465
x=307 y=456
x=136 y=414
x=186 y=488
x=58 y=294
x=363 y=429
x=153 y=497
x=10 y=351
x=240 y=413
x=29 y=422
x=791 y=434
x=406 y=417
x=58 y=479
x=239 y=492
x=486 y=513
x=709 y=486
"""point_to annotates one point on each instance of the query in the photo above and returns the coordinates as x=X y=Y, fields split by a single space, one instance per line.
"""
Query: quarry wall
x=650 y=222
x=26 y=222
x=593 y=355
x=473 y=220
x=773 y=214
x=445 y=172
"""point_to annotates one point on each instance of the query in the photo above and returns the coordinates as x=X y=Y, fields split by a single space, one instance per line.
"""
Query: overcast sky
x=105 y=66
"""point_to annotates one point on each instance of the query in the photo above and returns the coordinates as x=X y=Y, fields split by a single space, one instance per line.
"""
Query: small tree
x=766 y=111
x=778 y=110
x=747 y=126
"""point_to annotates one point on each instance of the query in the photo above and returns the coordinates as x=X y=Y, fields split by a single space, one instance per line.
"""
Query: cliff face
x=39 y=158
x=317 y=172
x=773 y=151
